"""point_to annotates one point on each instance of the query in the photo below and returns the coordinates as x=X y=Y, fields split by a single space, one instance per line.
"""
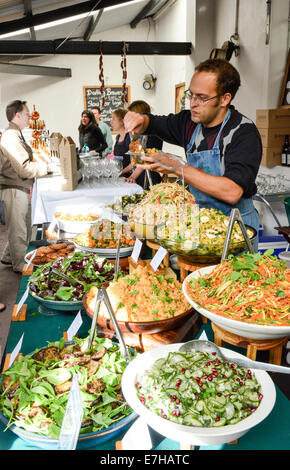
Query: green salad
x=199 y=389
x=86 y=268
x=35 y=389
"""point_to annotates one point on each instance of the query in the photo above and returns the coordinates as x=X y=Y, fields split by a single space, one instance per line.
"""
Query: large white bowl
x=189 y=434
x=239 y=328
x=71 y=226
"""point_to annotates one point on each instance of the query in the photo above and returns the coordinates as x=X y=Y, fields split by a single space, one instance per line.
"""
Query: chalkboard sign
x=113 y=99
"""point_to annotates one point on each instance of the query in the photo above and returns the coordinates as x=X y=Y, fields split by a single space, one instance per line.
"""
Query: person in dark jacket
x=90 y=133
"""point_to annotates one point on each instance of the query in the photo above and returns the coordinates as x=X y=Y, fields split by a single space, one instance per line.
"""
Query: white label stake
x=136 y=250
x=73 y=329
x=22 y=300
x=72 y=419
x=16 y=351
x=158 y=258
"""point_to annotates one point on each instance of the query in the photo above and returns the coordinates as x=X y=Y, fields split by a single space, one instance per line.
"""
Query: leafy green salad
x=86 y=268
x=199 y=389
x=35 y=389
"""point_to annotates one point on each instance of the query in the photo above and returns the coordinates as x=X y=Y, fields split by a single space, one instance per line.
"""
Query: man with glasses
x=17 y=173
x=223 y=147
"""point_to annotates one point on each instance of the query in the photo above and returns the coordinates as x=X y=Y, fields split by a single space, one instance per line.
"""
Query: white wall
x=60 y=100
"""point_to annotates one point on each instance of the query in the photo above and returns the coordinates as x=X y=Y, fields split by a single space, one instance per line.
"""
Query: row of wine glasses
x=99 y=170
x=270 y=184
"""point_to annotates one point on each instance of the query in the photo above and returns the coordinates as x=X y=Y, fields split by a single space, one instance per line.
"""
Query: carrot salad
x=252 y=288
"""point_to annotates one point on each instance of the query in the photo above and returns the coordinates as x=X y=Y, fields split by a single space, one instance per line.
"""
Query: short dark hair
x=139 y=106
x=14 y=107
x=97 y=108
x=228 y=78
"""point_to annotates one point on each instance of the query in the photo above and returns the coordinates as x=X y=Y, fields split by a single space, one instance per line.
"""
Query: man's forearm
x=219 y=187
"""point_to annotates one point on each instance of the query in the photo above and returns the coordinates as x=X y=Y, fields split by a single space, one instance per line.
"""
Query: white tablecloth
x=47 y=197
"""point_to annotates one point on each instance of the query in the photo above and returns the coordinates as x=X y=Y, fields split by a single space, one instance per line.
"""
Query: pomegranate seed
x=217 y=418
x=177 y=402
x=182 y=370
x=173 y=412
x=177 y=412
x=214 y=354
x=165 y=416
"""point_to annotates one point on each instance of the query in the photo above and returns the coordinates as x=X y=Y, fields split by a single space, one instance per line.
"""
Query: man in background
x=106 y=131
x=17 y=173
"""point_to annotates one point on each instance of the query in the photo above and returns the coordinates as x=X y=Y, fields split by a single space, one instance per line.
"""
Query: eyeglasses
x=198 y=99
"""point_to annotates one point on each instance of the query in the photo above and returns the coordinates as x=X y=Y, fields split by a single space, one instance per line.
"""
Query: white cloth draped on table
x=47 y=197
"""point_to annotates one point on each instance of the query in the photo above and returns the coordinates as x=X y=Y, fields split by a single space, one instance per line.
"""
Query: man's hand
x=163 y=163
x=136 y=123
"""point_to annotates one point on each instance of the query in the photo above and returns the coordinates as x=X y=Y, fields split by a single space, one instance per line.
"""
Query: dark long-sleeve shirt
x=93 y=137
x=240 y=143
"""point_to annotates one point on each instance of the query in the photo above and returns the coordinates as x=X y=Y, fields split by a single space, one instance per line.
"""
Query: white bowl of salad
x=197 y=400
x=247 y=295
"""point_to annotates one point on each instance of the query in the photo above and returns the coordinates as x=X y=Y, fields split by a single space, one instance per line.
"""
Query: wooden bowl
x=149 y=328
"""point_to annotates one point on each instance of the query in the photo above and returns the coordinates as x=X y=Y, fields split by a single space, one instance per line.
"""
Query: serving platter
x=150 y=327
x=248 y=330
x=109 y=253
x=189 y=434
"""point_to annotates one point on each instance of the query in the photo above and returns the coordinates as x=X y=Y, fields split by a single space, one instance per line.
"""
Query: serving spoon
x=209 y=347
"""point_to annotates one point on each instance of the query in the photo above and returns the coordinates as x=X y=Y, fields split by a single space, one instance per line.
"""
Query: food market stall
x=255 y=413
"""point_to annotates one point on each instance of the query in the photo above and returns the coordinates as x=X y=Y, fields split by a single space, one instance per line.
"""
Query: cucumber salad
x=198 y=389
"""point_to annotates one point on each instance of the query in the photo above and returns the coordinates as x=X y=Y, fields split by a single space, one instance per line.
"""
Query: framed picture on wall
x=179 y=97
x=285 y=92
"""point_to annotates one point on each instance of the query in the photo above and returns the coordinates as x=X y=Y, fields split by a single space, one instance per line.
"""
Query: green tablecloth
x=272 y=434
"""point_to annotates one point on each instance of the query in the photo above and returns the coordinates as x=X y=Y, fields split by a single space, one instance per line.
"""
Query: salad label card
x=136 y=250
x=52 y=227
x=158 y=258
x=15 y=351
x=73 y=329
x=22 y=300
x=72 y=419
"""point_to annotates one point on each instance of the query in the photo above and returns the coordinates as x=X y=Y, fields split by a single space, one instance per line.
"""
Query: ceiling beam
x=34 y=70
x=28 y=14
x=92 y=26
x=18 y=47
x=58 y=14
x=143 y=13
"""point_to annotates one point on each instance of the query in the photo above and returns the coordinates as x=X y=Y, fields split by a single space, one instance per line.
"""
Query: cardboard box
x=274 y=138
x=274 y=118
x=54 y=141
x=68 y=164
x=271 y=156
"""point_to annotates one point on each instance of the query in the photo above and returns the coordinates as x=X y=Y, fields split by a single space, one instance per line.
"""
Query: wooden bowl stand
x=274 y=346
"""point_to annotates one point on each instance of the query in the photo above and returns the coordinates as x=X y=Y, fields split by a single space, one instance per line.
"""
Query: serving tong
x=236 y=217
x=60 y=274
x=103 y=297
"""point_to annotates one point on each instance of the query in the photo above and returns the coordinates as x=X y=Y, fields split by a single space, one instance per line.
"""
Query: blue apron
x=209 y=161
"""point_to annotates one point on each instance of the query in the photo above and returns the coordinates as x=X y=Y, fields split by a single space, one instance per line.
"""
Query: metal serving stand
x=103 y=297
x=236 y=217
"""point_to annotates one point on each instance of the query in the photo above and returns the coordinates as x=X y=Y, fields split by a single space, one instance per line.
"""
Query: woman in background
x=90 y=133
x=122 y=142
